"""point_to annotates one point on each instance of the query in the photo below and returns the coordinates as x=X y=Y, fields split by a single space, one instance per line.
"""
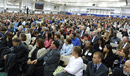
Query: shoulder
x=104 y=67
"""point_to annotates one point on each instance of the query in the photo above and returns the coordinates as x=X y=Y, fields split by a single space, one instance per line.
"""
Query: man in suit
x=125 y=71
x=21 y=52
x=50 y=59
x=20 y=28
x=94 y=37
x=33 y=29
x=95 y=67
x=124 y=44
x=88 y=52
x=43 y=33
x=57 y=37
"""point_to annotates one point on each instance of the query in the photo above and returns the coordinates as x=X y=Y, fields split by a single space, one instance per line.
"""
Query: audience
x=38 y=31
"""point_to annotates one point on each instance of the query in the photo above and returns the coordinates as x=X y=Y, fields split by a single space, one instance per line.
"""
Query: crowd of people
x=32 y=45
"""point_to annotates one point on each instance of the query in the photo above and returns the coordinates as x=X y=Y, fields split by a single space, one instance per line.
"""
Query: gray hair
x=21 y=27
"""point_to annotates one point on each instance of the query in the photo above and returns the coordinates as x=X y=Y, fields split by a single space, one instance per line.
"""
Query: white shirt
x=75 y=66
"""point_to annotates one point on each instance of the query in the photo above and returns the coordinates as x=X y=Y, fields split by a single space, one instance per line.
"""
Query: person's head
x=60 y=32
x=126 y=68
x=54 y=44
x=3 y=29
x=48 y=35
x=16 y=42
x=77 y=31
x=100 y=41
x=124 y=53
x=110 y=32
x=89 y=45
x=86 y=37
x=20 y=28
x=73 y=35
x=32 y=26
x=36 y=33
x=22 y=37
x=54 y=29
x=44 y=29
x=40 y=43
x=38 y=24
x=125 y=39
x=114 y=35
x=76 y=51
x=97 y=57
x=68 y=41
x=9 y=35
x=57 y=37
x=94 y=33
x=27 y=30
x=108 y=49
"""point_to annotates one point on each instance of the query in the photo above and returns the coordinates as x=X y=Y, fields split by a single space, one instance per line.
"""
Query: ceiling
x=98 y=3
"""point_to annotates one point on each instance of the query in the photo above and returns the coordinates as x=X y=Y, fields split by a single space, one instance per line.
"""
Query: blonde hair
x=107 y=37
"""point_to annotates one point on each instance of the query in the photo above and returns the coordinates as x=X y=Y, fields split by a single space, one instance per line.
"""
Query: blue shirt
x=66 y=49
x=76 y=41
x=98 y=65
x=35 y=23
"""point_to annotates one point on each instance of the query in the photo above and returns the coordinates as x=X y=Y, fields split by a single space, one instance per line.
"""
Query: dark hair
x=78 y=50
x=23 y=36
x=91 y=44
x=100 y=55
x=57 y=35
x=36 y=32
x=52 y=34
x=9 y=34
x=69 y=40
x=16 y=40
x=101 y=39
x=109 y=47
x=56 y=43
x=3 y=28
x=40 y=42
x=86 y=35
x=74 y=34
x=126 y=51
x=49 y=35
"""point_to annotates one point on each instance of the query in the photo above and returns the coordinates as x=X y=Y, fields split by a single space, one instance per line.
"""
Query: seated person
x=108 y=56
x=115 y=39
x=48 y=40
x=49 y=61
x=75 y=65
x=123 y=56
x=125 y=71
x=94 y=37
x=99 y=45
x=123 y=44
x=35 y=53
x=23 y=37
x=96 y=67
x=88 y=52
x=106 y=38
x=75 y=40
x=84 y=41
x=9 y=37
x=57 y=37
x=67 y=47
x=21 y=52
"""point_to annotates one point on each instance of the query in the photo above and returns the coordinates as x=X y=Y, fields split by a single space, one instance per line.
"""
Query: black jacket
x=117 y=72
x=96 y=46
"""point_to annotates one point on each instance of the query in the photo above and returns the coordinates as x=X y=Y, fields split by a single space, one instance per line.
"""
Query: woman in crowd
x=109 y=57
x=35 y=53
x=48 y=40
x=106 y=38
x=110 y=34
x=67 y=47
x=75 y=65
x=122 y=57
x=99 y=45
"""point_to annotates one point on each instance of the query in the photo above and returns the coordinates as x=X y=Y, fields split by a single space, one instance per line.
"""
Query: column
x=33 y=7
x=5 y=1
x=20 y=6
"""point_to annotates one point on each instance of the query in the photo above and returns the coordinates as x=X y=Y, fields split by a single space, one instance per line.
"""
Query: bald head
x=125 y=39
x=126 y=68
x=94 y=33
